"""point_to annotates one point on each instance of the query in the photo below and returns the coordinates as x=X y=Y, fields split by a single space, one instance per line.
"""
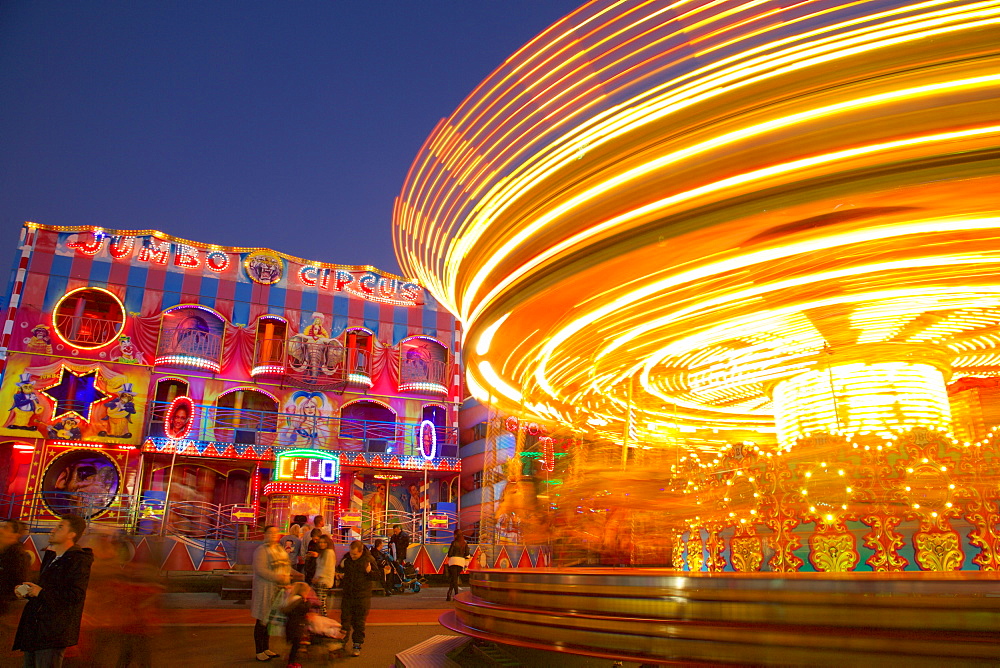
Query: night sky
x=284 y=125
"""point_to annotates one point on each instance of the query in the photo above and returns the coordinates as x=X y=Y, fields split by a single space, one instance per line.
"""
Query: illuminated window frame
x=195 y=361
x=118 y=330
x=425 y=387
x=268 y=368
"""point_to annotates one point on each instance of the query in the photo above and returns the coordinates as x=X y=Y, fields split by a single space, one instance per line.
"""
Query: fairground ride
x=758 y=241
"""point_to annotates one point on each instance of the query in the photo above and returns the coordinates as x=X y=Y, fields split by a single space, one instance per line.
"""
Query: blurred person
x=326 y=569
x=458 y=558
x=140 y=595
x=14 y=562
x=103 y=612
x=355 y=573
x=51 y=619
x=399 y=543
x=300 y=601
x=271 y=573
x=319 y=523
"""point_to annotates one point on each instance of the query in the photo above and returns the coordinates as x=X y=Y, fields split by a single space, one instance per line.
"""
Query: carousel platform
x=663 y=616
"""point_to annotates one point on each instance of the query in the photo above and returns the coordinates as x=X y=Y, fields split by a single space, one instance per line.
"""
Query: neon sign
x=152 y=251
x=427 y=437
x=369 y=284
x=308 y=465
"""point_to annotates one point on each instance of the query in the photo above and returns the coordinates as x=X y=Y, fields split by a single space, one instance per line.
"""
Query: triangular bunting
x=178 y=559
x=503 y=559
x=214 y=559
x=143 y=553
x=423 y=562
x=33 y=552
x=525 y=560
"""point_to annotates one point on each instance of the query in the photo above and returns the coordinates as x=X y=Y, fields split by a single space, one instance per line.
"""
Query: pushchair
x=404 y=577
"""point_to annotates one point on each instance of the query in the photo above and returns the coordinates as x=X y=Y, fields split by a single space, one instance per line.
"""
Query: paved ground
x=202 y=631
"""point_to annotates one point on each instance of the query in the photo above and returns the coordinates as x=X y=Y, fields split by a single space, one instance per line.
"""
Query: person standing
x=292 y=542
x=355 y=573
x=326 y=568
x=51 y=619
x=271 y=572
x=14 y=560
x=399 y=542
x=458 y=557
x=310 y=555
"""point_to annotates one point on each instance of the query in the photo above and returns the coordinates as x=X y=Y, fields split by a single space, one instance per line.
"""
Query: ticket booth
x=304 y=482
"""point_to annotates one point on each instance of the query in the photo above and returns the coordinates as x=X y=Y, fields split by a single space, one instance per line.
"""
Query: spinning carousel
x=755 y=247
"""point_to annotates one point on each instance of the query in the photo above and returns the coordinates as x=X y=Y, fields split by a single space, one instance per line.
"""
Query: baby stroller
x=404 y=577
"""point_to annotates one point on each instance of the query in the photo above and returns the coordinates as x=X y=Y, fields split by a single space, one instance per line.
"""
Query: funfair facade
x=184 y=393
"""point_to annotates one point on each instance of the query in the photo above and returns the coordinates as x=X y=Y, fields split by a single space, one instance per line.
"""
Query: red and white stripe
x=27 y=245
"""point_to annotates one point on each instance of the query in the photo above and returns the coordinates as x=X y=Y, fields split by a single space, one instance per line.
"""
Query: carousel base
x=661 y=616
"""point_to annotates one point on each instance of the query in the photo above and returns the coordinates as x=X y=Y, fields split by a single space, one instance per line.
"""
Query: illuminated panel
x=307 y=466
x=189 y=361
x=309 y=489
x=362 y=379
x=424 y=387
x=862 y=398
x=179 y=419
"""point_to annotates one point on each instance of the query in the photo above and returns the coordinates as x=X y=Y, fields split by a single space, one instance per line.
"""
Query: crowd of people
x=293 y=575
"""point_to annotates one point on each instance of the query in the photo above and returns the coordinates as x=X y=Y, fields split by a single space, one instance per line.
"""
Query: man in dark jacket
x=51 y=620
x=14 y=560
x=355 y=572
x=400 y=542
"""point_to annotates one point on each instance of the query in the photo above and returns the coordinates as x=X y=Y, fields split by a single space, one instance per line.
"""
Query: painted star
x=74 y=393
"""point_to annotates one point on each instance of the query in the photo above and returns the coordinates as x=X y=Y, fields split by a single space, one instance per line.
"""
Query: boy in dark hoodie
x=50 y=621
x=355 y=570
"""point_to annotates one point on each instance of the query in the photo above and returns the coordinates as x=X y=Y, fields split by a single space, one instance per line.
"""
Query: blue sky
x=287 y=125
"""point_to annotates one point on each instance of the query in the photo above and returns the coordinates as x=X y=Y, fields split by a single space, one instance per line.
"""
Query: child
x=298 y=604
x=355 y=572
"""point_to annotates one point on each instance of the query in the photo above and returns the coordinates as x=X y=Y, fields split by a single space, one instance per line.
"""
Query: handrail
x=132 y=514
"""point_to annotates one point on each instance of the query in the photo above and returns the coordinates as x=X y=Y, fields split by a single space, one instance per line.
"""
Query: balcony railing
x=184 y=346
x=212 y=423
x=87 y=331
x=134 y=514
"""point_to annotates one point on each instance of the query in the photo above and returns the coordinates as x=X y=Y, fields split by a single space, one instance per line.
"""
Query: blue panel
x=338 y=326
x=399 y=333
x=174 y=282
x=133 y=298
x=99 y=272
x=244 y=292
x=54 y=289
x=61 y=265
x=309 y=302
x=241 y=313
x=341 y=305
x=209 y=289
x=137 y=276
x=429 y=321
x=276 y=299
x=372 y=312
x=170 y=299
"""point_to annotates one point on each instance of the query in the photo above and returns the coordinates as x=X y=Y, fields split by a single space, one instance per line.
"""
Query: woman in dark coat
x=457 y=551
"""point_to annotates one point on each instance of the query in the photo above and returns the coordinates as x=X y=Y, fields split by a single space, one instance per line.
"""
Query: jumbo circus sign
x=260 y=266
